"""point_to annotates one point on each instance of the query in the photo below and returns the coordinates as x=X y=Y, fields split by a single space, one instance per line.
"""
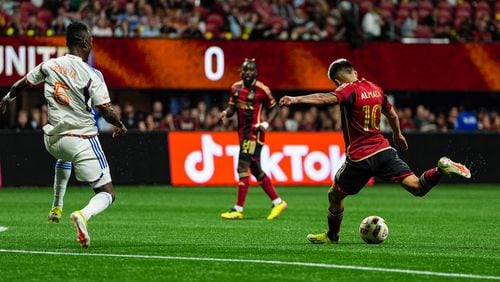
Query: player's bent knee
x=107 y=188
x=331 y=195
x=104 y=179
x=414 y=190
x=243 y=166
x=335 y=195
x=259 y=175
x=412 y=184
x=113 y=197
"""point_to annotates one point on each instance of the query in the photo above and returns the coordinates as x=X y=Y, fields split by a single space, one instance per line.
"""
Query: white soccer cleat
x=450 y=167
x=81 y=228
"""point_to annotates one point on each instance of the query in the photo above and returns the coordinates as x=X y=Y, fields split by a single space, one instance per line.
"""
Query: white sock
x=277 y=201
x=97 y=204
x=238 y=208
x=61 y=178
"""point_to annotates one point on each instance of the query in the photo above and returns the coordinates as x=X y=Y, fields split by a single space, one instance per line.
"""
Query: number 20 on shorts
x=248 y=146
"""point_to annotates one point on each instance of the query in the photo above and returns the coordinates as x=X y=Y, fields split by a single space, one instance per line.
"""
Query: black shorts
x=387 y=165
x=250 y=150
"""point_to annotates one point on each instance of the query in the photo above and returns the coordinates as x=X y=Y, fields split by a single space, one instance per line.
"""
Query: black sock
x=334 y=221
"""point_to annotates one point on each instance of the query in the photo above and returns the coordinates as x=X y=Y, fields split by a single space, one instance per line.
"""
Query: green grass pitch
x=154 y=233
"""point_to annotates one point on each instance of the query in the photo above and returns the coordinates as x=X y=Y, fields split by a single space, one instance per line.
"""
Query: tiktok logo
x=289 y=163
x=205 y=157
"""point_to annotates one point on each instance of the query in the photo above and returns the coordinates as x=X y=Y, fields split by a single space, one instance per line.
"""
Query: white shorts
x=85 y=154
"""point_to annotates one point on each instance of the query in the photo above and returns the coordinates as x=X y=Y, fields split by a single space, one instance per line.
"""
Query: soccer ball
x=373 y=230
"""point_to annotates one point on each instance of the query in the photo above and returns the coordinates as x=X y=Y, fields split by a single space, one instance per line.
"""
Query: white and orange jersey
x=71 y=88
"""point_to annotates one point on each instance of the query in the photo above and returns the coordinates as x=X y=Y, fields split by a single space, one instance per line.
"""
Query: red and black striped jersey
x=248 y=103
x=361 y=104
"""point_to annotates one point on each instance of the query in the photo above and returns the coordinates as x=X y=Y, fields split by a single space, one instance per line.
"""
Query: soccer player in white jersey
x=71 y=88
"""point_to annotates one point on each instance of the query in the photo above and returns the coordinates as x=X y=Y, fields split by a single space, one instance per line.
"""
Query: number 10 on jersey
x=372 y=117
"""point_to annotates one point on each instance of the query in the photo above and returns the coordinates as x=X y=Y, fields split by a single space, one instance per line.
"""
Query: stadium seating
x=212 y=19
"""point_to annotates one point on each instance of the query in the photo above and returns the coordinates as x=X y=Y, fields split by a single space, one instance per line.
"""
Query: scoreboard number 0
x=214 y=63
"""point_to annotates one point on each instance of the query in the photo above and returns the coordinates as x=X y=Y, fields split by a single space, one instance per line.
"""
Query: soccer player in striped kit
x=72 y=88
x=247 y=99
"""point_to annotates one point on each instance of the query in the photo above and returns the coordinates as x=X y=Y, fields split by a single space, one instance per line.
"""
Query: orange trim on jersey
x=268 y=93
x=258 y=121
x=364 y=158
x=259 y=114
x=103 y=105
x=60 y=95
x=263 y=86
x=237 y=82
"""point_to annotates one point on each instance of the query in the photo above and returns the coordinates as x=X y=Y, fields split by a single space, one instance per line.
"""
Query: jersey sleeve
x=232 y=99
x=99 y=92
x=342 y=92
x=36 y=75
x=386 y=104
x=268 y=98
x=270 y=101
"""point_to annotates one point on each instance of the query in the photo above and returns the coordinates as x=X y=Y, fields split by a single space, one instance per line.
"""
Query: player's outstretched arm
x=311 y=99
x=15 y=90
x=110 y=116
x=398 y=137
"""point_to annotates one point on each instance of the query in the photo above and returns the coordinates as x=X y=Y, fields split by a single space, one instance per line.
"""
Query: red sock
x=242 y=191
x=269 y=188
x=431 y=177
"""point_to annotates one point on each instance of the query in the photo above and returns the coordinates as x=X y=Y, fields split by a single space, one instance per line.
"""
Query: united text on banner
x=288 y=65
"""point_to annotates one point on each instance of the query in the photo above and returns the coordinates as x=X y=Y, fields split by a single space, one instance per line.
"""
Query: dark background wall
x=133 y=159
x=139 y=158
x=477 y=151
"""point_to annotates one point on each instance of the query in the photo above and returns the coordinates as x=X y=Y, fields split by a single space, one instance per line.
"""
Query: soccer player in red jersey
x=248 y=97
x=368 y=152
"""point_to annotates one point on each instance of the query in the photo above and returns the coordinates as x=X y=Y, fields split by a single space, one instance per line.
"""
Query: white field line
x=3 y=228
x=275 y=262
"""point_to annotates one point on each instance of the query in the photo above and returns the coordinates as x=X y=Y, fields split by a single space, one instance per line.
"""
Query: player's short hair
x=76 y=33
x=249 y=61
x=338 y=66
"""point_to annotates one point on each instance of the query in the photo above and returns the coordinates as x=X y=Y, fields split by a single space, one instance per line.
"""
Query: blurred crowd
x=354 y=21
x=200 y=117
x=455 y=119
